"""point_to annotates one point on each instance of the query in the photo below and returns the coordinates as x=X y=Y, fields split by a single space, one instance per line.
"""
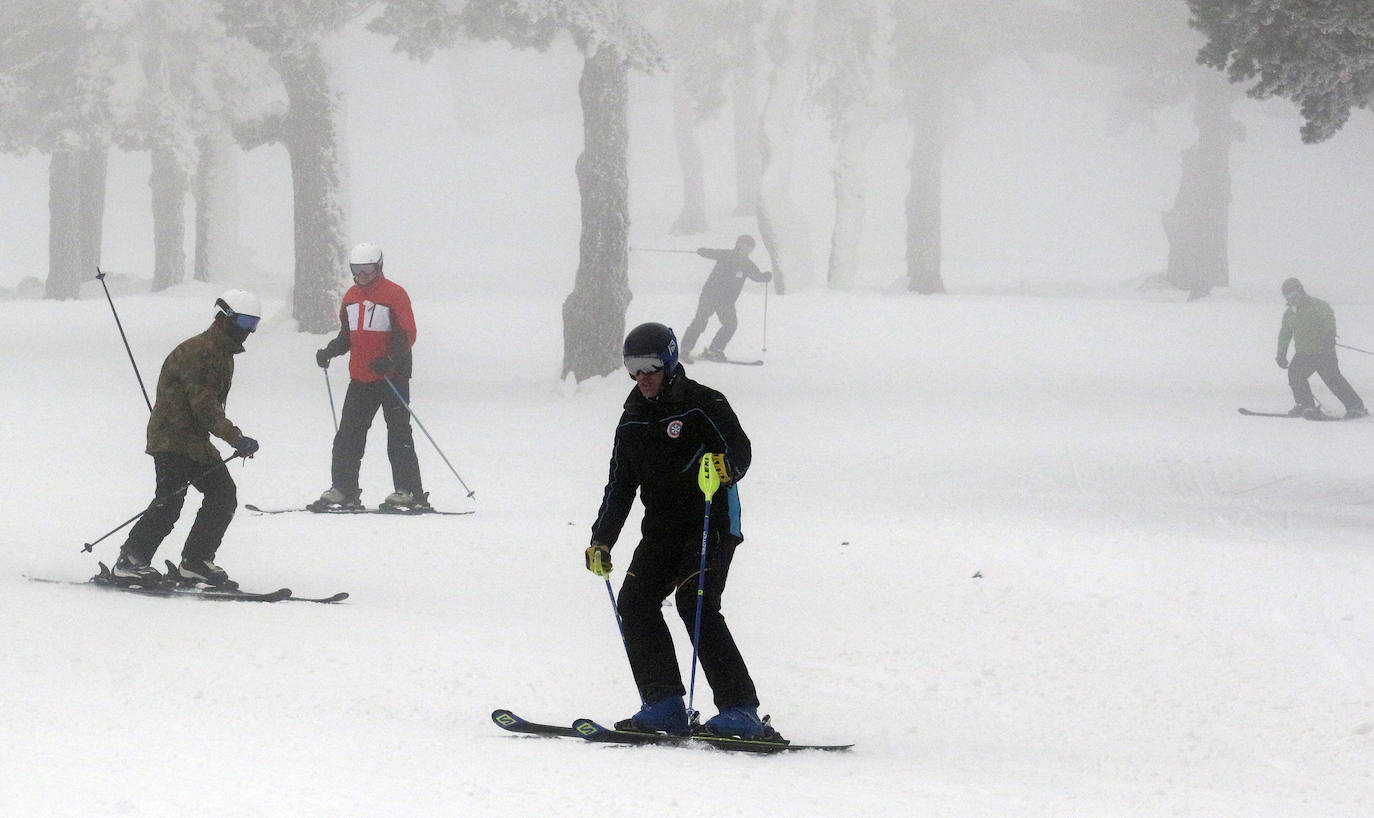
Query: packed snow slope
x=1022 y=551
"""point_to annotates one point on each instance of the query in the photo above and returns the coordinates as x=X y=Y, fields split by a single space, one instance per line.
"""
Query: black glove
x=383 y=365
x=1281 y=360
x=322 y=357
x=768 y=276
x=245 y=447
x=599 y=560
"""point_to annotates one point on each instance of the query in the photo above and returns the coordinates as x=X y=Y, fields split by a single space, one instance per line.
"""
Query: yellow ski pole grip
x=708 y=479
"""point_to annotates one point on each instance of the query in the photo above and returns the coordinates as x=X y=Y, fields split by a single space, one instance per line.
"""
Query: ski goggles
x=247 y=323
x=643 y=364
x=365 y=269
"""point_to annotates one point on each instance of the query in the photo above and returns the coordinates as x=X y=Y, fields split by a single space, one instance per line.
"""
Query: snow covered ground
x=1022 y=551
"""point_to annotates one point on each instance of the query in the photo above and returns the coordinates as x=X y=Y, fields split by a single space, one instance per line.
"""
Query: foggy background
x=462 y=168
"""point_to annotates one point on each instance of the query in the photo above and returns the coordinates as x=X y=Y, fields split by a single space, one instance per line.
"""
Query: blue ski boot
x=667 y=715
x=740 y=721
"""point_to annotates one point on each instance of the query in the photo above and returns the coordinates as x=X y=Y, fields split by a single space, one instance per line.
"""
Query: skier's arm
x=733 y=442
x=714 y=255
x=621 y=485
x=751 y=271
x=1325 y=320
x=1285 y=334
x=205 y=381
x=338 y=345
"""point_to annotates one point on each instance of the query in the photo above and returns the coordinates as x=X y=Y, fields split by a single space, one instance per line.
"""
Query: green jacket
x=1311 y=325
x=191 y=392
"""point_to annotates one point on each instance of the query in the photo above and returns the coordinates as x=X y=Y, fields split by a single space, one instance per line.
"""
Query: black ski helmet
x=652 y=341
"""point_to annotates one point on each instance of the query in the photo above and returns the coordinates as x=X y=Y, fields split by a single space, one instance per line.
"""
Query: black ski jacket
x=657 y=451
x=726 y=280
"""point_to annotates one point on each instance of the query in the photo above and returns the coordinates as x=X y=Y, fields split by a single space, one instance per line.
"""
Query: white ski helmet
x=233 y=303
x=365 y=253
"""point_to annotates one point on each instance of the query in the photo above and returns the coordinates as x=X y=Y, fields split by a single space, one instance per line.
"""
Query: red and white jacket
x=375 y=322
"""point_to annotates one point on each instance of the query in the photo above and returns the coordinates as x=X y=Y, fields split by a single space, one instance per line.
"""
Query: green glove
x=599 y=560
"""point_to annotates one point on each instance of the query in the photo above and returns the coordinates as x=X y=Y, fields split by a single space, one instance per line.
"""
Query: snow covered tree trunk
x=217 y=205
x=94 y=170
x=782 y=227
x=1198 y=224
x=168 y=182
x=594 y=312
x=76 y=210
x=692 y=219
x=314 y=141
x=851 y=199
x=924 y=195
x=64 y=225
x=744 y=92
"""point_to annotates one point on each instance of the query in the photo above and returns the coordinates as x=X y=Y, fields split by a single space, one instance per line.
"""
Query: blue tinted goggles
x=247 y=323
x=642 y=364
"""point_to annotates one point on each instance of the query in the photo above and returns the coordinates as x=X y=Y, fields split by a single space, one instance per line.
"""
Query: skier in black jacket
x=669 y=422
x=719 y=294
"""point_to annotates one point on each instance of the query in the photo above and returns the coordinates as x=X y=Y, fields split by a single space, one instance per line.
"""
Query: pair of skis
x=1319 y=416
x=176 y=585
x=591 y=731
x=355 y=510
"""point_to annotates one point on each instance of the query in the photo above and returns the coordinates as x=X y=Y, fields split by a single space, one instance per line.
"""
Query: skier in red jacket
x=377 y=330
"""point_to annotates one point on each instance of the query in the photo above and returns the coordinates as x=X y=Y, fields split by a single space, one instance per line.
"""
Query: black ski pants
x=729 y=322
x=217 y=508
x=360 y=406
x=1327 y=368
x=660 y=568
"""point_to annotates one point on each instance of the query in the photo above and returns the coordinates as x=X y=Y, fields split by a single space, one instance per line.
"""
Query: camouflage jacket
x=191 y=392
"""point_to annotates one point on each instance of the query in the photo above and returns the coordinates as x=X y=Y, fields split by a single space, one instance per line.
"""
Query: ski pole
x=708 y=480
x=101 y=278
x=620 y=625
x=330 y=389
x=160 y=500
x=419 y=423
x=1356 y=349
x=765 y=315
x=660 y=250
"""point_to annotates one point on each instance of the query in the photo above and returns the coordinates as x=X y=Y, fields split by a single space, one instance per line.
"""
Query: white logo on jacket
x=369 y=316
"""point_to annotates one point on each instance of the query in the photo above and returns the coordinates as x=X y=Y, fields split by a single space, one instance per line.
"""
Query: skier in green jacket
x=1310 y=324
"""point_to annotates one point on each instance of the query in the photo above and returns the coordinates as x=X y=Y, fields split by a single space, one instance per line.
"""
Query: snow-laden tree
x=853 y=89
x=196 y=81
x=293 y=33
x=940 y=48
x=1317 y=53
x=712 y=52
x=1152 y=51
x=791 y=38
x=612 y=42
x=60 y=95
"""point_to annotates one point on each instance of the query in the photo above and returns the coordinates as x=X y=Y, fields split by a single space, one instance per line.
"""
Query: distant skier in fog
x=1310 y=324
x=719 y=294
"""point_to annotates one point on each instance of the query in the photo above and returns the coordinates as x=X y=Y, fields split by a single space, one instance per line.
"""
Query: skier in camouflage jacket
x=191 y=393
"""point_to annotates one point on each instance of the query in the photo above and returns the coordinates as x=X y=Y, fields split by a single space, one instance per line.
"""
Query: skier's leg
x=216 y=512
x=721 y=661
x=360 y=405
x=400 y=439
x=729 y=322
